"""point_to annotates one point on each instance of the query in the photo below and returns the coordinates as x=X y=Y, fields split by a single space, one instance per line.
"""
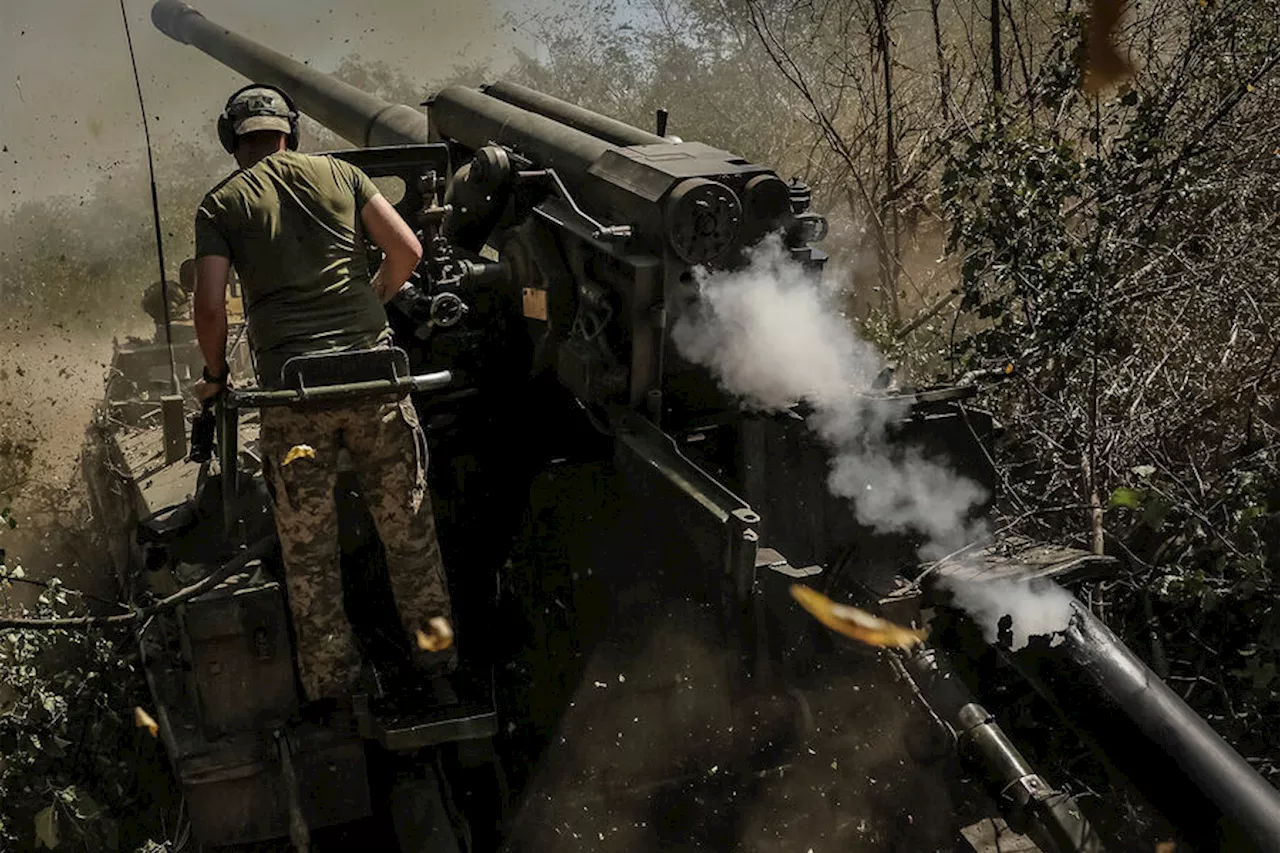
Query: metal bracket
x=645 y=451
x=600 y=231
x=299 y=833
x=228 y=441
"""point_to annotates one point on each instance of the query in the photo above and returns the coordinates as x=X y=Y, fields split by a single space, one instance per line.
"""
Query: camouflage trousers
x=388 y=451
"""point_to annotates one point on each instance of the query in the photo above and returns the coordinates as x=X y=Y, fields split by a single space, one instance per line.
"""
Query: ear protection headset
x=226 y=130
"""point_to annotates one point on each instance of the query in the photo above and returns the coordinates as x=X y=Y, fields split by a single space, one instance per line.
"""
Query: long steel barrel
x=476 y=119
x=357 y=116
x=609 y=129
x=1219 y=771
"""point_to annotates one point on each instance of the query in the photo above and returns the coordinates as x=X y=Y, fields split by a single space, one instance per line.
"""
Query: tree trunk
x=944 y=73
x=892 y=242
x=996 y=76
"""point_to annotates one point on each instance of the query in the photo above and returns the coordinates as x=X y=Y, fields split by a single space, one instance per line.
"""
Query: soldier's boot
x=434 y=664
x=415 y=682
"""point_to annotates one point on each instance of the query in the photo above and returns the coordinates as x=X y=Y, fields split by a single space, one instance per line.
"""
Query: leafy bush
x=1121 y=253
x=76 y=774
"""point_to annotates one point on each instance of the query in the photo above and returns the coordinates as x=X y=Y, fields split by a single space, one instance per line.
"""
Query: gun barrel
x=357 y=116
x=1219 y=771
x=475 y=119
x=610 y=130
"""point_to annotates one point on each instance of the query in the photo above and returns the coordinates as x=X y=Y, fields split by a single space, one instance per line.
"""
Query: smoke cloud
x=1038 y=608
x=774 y=335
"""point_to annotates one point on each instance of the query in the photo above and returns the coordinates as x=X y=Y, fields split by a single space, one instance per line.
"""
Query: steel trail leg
x=299 y=833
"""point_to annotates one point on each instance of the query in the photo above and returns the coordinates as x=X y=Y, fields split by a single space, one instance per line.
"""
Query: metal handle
x=343 y=391
x=601 y=231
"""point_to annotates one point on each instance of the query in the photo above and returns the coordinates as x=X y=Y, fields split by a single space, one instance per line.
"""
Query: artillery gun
x=619 y=533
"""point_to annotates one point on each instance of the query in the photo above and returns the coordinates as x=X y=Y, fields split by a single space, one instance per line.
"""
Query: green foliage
x=1022 y=272
x=1128 y=498
x=74 y=768
x=695 y=58
x=1120 y=251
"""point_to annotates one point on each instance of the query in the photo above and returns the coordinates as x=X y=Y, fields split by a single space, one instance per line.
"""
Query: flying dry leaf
x=855 y=623
x=299 y=451
x=1103 y=63
x=437 y=637
x=1166 y=847
x=145 y=721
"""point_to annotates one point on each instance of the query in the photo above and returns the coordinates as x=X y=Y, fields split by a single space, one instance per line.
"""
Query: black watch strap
x=215 y=379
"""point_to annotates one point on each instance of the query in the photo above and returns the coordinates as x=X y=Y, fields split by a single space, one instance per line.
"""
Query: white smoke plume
x=1038 y=608
x=774 y=336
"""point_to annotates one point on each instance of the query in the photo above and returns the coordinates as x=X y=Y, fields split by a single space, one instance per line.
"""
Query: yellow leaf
x=855 y=623
x=438 y=637
x=145 y=721
x=46 y=828
x=299 y=451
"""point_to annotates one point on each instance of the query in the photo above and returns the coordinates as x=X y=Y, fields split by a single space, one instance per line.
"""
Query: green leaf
x=46 y=826
x=1250 y=513
x=1154 y=512
x=1128 y=498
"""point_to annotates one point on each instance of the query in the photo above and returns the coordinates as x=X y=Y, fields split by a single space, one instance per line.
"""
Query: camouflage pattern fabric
x=388 y=450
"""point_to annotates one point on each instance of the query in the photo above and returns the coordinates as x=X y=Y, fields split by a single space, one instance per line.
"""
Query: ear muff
x=227 y=134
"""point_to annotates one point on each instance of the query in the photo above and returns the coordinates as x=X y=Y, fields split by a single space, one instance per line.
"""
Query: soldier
x=179 y=298
x=290 y=224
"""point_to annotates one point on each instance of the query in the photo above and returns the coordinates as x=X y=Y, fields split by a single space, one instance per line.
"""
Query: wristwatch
x=215 y=380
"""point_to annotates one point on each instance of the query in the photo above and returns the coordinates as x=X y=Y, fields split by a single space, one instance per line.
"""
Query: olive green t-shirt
x=290 y=225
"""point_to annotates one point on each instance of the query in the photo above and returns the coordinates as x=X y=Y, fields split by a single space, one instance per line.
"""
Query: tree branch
x=256 y=551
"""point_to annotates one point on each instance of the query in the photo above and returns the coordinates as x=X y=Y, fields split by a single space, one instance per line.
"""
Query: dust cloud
x=774 y=335
x=49 y=384
x=68 y=101
x=658 y=752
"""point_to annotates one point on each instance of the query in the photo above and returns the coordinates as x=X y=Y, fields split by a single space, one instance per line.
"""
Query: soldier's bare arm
x=396 y=239
x=209 y=312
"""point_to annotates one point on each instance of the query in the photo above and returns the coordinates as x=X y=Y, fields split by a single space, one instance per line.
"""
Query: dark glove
x=203 y=428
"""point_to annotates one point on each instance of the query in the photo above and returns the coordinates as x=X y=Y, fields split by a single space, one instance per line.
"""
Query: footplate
x=464 y=710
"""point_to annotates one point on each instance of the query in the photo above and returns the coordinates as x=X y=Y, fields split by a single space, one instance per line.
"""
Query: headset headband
x=226 y=132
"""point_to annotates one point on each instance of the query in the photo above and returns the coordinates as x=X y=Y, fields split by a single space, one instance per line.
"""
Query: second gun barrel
x=357 y=116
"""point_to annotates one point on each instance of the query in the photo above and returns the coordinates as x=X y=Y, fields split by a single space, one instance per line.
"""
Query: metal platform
x=470 y=714
x=1016 y=558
